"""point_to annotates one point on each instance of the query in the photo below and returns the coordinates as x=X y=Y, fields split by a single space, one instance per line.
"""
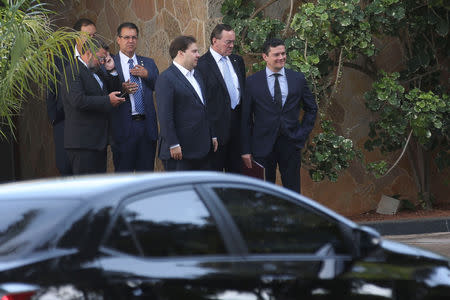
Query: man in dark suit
x=134 y=127
x=224 y=75
x=55 y=108
x=271 y=131
x=186 y=136
x=87 y=107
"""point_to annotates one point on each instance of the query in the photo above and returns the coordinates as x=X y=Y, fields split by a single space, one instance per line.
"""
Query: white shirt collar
x=217 y=57
x=82 y=61
x=269 y=72
x=124 y=58
x=76 y=53
x=183 y=70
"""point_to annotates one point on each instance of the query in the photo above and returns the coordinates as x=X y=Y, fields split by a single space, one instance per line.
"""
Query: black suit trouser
x=228 y=156
x=288 y=157
x=86 y=161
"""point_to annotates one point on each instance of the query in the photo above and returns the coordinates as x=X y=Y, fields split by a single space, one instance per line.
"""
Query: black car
x=196 y=235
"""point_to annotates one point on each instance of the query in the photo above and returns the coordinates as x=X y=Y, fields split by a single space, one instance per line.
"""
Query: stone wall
x=159 y=22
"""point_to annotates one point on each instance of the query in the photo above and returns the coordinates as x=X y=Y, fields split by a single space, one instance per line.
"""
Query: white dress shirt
x=217 y=57
x=190 y=77
x=126 y=75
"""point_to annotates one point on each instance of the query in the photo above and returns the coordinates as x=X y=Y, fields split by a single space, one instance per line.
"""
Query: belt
x=137 y=117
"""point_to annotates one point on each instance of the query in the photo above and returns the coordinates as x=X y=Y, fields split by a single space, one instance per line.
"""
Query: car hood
x=403 y=249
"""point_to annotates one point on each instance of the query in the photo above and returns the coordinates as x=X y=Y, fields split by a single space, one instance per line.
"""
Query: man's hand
x=175 y=153
x=215 y=144
x=247 y=158
x=139 y=71
x=129 y=87
x=109 y=63
x=115 y=99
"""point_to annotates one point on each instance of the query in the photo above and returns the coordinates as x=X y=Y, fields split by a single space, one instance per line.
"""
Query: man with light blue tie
x=133 y=123
x=271 y=131
x=224 y=76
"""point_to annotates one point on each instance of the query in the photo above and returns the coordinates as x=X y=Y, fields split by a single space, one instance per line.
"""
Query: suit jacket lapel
x=90 y=74
x=266 y=90
x=236 y=70
x=290 y=82
x=202 y=86
x=118 y=66
x=215 y=69
x=184 y=80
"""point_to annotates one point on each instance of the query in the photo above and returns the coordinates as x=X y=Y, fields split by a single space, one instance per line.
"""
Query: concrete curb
x=416 y=226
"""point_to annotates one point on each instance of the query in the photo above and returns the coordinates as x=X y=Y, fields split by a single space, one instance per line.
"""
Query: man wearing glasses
x=87 y=107
x=224 y=76
x=134 y=127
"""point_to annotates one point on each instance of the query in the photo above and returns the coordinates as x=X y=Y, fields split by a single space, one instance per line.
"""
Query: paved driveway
x=438 y=242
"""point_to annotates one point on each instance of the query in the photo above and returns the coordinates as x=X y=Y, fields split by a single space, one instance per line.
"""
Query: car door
x=292 y=251
x=169 y=244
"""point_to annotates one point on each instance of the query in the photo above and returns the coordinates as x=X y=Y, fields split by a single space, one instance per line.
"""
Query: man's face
x=91 y=30
x=224 y=46
x=127 y=41
x=276 y=58
x=190 y=56
x=96 y=60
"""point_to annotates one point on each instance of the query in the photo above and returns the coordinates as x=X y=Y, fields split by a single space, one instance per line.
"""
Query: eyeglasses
x=129 y=37
x=102 y=59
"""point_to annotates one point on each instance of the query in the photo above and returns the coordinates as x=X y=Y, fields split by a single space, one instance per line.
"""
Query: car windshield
x=26 y=224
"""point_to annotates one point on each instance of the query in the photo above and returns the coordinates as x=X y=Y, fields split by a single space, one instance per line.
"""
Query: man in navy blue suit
x=186 y=135
x=271 y=131
x=133 y=123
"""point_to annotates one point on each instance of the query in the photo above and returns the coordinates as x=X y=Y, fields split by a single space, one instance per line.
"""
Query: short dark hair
x=180 y=43
x=82 y=22
x=127 y=25
x=96 y=44
x=217 y=31
x=273 y=42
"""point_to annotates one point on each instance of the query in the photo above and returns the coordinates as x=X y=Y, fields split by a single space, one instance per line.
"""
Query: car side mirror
x=366 y=239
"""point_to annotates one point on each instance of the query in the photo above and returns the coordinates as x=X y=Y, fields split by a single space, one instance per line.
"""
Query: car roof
x=82 y=187
x=88 y=186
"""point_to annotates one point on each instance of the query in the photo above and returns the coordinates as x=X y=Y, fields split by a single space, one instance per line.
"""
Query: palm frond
x=28 y=48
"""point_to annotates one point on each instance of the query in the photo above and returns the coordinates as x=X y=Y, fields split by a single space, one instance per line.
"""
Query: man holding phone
x=134 y=126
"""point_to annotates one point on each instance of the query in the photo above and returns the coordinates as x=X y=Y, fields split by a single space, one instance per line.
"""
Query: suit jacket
x=87 y=108
x=219 y=103
x=263 y=120
x=121 y=115
x=182 y=115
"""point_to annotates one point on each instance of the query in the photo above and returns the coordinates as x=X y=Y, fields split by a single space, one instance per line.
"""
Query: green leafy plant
x=328 y=154
x=28 y=47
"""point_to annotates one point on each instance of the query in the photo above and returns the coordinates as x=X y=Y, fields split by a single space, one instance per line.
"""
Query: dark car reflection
x=196 y=236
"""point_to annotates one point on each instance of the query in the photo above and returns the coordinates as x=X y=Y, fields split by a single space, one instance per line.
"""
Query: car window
x=169 y=224
x=25 y=224
x=272 y=224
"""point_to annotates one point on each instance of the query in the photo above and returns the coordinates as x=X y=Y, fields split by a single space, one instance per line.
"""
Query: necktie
x=277 y=99
x=138 y=96
x=232 y=91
